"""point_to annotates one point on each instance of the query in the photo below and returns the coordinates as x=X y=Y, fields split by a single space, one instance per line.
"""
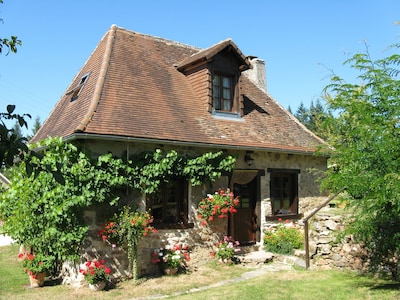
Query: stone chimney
x=258 y=72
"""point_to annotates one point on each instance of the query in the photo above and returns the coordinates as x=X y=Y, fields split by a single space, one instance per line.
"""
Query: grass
x=294 y=284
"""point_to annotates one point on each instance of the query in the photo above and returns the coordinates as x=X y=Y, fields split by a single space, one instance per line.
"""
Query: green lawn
x=295 y=284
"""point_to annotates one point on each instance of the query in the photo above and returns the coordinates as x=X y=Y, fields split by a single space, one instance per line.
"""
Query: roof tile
x=143 y=95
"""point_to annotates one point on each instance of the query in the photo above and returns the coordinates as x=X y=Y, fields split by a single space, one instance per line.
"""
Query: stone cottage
x=138 y=92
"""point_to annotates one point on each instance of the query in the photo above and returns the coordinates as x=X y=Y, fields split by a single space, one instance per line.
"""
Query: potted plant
x=36 y=265
x=96 y=274
x=218 y=205
x=171 y=258
x=226 y=250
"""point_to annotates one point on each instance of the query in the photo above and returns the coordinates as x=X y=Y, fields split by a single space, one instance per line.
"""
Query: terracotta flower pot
x=98 y=286
x=37 y=279
x=170 y=271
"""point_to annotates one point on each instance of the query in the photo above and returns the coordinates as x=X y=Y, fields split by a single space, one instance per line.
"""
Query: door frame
x=256 y=213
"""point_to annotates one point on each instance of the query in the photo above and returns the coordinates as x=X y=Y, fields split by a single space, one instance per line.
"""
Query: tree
x=36 y=126
x=17 y=130
x=9 y=43
x=47 y=216
x=302 y=114
x=366 y=155
x=315 y=119
x=11 y=143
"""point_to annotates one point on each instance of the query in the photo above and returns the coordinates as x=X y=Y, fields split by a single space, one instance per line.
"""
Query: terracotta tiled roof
x=134 y=90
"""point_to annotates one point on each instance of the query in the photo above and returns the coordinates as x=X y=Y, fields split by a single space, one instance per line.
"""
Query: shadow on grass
x=387 y=286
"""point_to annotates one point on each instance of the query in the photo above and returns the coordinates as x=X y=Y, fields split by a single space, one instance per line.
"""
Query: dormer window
x=223 y=92
x=76 y=90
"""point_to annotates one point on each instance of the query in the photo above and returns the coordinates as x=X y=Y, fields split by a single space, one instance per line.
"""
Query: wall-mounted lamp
x=248 y=159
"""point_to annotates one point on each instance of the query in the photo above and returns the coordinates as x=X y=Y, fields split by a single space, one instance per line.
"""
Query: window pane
x=226 y=82
x=217 y=103
x=216 y=80
x=227 y=94
x=227 y=104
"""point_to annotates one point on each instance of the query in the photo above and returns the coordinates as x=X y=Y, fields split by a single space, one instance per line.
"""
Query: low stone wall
x=328 y=246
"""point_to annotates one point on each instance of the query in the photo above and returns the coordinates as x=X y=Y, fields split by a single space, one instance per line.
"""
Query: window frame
x=293 y=193
x=220 y=97
x=77 y=90
x=180 y=188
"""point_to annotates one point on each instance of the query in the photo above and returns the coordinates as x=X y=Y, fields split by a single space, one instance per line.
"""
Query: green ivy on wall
x=46 y=214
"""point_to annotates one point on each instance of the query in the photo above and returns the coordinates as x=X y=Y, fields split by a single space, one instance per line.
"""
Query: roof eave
x=92 y=136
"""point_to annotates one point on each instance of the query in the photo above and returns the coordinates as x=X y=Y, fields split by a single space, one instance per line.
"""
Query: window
x=169 y=205
x=223 y=92
x=76 y=90
x=284 y=191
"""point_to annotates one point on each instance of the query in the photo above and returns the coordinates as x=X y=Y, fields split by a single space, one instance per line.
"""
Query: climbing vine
x=149 y=169
x=46 y=214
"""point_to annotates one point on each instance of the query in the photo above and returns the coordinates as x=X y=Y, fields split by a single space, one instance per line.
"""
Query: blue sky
x=300 y=41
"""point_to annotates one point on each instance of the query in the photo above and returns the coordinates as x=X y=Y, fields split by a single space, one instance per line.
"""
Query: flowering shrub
x=95 y=271
x=283 y=239
x=109 y=233
x=136 y=223
x=218 y=205
x=171 y=257
x=127 y=228
x=36 y=263
x=226 y=249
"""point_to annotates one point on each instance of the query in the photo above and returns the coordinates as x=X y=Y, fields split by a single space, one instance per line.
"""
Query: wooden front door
x=243 y=224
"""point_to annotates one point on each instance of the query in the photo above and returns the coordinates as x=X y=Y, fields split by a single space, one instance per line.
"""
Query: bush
x=283 y=239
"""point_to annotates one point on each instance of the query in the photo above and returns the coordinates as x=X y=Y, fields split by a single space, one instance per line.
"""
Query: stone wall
x=329 y=246
x=200 y=240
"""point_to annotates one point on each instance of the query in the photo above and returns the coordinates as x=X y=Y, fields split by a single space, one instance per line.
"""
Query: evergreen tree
x=36 y=125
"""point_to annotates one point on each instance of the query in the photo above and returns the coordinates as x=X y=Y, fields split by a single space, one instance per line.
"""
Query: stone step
x=255 y=257
x=291 y=260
